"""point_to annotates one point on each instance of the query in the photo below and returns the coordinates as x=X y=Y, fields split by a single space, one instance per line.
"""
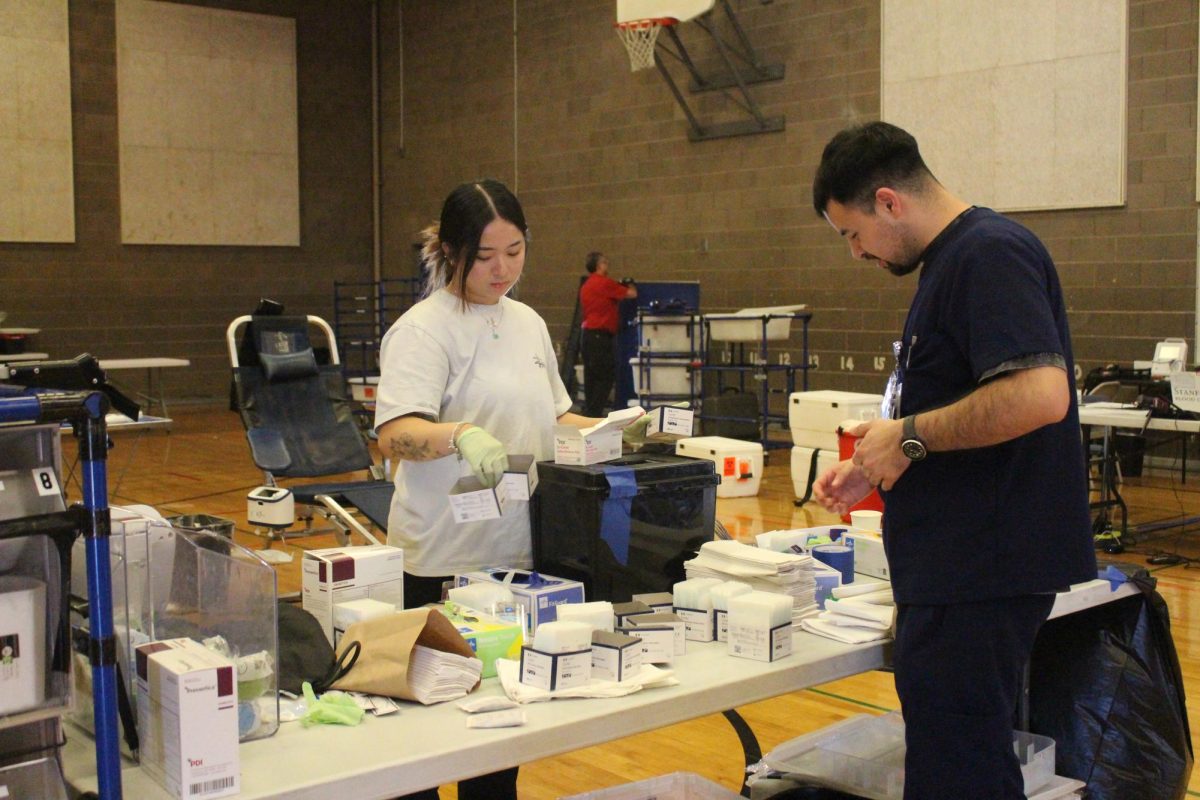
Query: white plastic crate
x=728 y=327
x=679 y=333
x=669 y=376
x=676 y=786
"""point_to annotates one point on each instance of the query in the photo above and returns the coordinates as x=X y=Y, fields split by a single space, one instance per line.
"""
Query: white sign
x=1185 y=390
x=46 y=482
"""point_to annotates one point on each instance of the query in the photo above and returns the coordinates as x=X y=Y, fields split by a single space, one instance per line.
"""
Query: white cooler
x=664 y=376
x=802 y=461
x=739 y=463
x=814 y=416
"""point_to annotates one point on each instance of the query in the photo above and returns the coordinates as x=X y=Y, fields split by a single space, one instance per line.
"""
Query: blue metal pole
x=93 y=455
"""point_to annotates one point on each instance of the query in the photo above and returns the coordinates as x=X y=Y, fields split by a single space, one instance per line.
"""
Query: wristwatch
x=912 y=445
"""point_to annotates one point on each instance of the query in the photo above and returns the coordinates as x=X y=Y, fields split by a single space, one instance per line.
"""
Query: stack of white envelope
x=855 y=619
x=435 y=676
x=763 y=570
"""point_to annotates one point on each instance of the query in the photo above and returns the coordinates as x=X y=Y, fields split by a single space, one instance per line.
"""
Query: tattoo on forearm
x=404 y=446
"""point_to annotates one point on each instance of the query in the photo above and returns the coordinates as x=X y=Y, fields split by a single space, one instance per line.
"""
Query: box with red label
x=337 y=574
x=739 y=463
x=188 y=719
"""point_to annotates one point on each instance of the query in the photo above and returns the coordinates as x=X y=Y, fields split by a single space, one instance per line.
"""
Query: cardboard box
x=869 y=556
x=662 y=619
x=669 y=424
x=600 y=442
x=338 y=574
x=760 y=643
x=634 y=608
x=520 y=479
x=615 y=656
x=188 y=719
x=471 y=501
x=657 y=643
x=490 y=637
x=537 y=595
x=552 y=671
x=657 y=601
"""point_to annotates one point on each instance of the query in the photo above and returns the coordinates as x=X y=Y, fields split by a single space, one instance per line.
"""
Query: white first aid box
x=739 y=463
x=814 y=416
x=600 y=442
x=338 y=574
x=188 y=719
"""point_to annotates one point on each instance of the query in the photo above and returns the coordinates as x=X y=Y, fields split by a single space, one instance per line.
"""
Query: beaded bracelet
x=452 y=444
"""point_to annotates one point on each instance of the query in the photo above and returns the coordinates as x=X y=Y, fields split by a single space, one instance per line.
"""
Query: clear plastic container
x=864 y=755
x=676 y=786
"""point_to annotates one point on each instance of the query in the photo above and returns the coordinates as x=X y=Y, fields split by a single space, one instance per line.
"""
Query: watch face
x=913 y=449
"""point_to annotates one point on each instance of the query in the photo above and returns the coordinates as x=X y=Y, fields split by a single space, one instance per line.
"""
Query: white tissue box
x=552 y=671
x=759 y=642
x=697 y=623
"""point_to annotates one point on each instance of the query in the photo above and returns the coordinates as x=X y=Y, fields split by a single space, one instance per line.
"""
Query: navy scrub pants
x=959 y=673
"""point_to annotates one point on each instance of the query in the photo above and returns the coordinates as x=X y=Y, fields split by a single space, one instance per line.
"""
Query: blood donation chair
x=300 y=423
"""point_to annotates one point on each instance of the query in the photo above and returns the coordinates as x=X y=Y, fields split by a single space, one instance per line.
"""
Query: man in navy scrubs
x=980 y=463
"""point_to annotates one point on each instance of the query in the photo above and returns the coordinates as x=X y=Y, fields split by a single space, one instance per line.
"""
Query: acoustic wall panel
x=37 y=187
x=1017 y=105
x=208 y=127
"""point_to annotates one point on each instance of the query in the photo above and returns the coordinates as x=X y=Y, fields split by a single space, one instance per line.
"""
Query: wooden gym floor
x=202 y=466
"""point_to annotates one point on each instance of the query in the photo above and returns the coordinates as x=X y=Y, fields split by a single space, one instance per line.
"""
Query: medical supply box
x=814 y=416
x=489 y=637
x=187 y=709
x=537 y=594
x=739 y=464
x=623 y=527
x=337 y=574
x=592 y=445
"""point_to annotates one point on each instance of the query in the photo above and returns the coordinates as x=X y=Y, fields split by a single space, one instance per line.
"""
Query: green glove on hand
x=485 y=455
x=635 y=432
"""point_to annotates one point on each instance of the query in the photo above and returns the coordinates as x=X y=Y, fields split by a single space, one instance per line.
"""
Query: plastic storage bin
x=746 y=325
x=739 y=464
x=814 y=417
x=865 y=755
x=622 y=527
x=676 y=786
x=669 y=334
x=666 y=376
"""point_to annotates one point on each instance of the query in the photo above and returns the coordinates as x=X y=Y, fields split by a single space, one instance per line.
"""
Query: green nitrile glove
x=333 y=708
x=635 y=432
x=484 y=453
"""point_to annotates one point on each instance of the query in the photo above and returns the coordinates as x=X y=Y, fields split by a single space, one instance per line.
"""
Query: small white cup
x=867 y=519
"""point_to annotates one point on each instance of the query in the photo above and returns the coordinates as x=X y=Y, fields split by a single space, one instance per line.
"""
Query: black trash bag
x=304 y=652
x=1105 y=683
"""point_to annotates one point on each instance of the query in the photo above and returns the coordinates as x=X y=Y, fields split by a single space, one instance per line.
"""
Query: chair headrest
x=284 y=350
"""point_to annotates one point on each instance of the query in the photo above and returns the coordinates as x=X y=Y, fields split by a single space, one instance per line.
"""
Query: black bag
x=304 y=652
x=742 y=413
x=1105 y=683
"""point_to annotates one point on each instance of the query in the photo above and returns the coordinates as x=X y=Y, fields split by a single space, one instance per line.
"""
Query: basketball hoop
x=639 y=36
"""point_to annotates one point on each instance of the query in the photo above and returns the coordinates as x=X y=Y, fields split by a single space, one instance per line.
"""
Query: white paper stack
x=763 y=570
x=435 y=676
x=856 y=619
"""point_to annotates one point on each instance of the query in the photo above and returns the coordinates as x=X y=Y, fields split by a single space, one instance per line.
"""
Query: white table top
x=424 y=746
x=142 y=363
x=1115 y=415
x=24 y=357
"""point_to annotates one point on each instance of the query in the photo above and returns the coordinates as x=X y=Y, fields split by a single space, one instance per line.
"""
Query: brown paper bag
x=386 y=646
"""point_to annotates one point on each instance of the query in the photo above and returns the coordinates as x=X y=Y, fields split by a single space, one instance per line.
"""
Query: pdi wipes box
x=338 y=574
x=188 y=719
x=600 y=442
x=538 y=595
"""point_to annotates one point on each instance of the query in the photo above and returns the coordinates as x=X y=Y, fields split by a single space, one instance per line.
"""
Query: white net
x=639 y=38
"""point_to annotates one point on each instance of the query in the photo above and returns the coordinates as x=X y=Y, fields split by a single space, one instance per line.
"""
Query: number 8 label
x=45 y=481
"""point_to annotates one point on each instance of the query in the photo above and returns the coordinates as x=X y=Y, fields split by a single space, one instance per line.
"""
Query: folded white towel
x=843 y=634
x=650 y=676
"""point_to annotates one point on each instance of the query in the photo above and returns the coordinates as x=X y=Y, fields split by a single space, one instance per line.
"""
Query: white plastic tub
x=667 y=376
x=679 y=333
x=746 y=325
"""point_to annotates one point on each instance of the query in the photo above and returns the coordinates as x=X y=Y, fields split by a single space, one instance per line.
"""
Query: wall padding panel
x=37 y=192
x=1017 y=105
x=207 y=121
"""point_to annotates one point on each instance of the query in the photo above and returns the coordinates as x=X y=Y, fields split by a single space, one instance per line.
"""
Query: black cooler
x=622 y=527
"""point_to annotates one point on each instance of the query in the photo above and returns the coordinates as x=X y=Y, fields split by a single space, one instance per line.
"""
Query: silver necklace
x=493 y=322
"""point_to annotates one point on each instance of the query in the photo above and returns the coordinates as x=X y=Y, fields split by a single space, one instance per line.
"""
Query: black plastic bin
x=671 y=509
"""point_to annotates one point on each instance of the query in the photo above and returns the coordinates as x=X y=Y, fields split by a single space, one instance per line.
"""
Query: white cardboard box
x=869 y=557
x=739 y=464
x=670 y=423
x=814 y=416
x=188 y=719
x=615 y=656
x=337 y=574
x=760 y=643
x=520 y=479
x=600 y=442
x=539 y=602
x=471 y=501
x=22 y=643
x=551 y=671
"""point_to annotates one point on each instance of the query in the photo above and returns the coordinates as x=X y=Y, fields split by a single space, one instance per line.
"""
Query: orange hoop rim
x=650 y=22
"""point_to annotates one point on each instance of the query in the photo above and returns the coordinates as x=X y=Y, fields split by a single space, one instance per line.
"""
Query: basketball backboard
x=679 y=10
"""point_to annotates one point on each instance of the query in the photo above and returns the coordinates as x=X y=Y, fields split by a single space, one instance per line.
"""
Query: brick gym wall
x=123 y=301
x=601 y=160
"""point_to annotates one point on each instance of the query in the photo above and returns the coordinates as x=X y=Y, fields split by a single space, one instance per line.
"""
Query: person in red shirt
x=599 y=296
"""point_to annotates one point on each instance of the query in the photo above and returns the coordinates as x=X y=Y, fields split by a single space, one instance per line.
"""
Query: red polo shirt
x=599 y=296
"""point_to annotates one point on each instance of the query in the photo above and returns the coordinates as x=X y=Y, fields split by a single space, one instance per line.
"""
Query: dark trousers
x=599 y=371
x=959 y=673
x=500 y=785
